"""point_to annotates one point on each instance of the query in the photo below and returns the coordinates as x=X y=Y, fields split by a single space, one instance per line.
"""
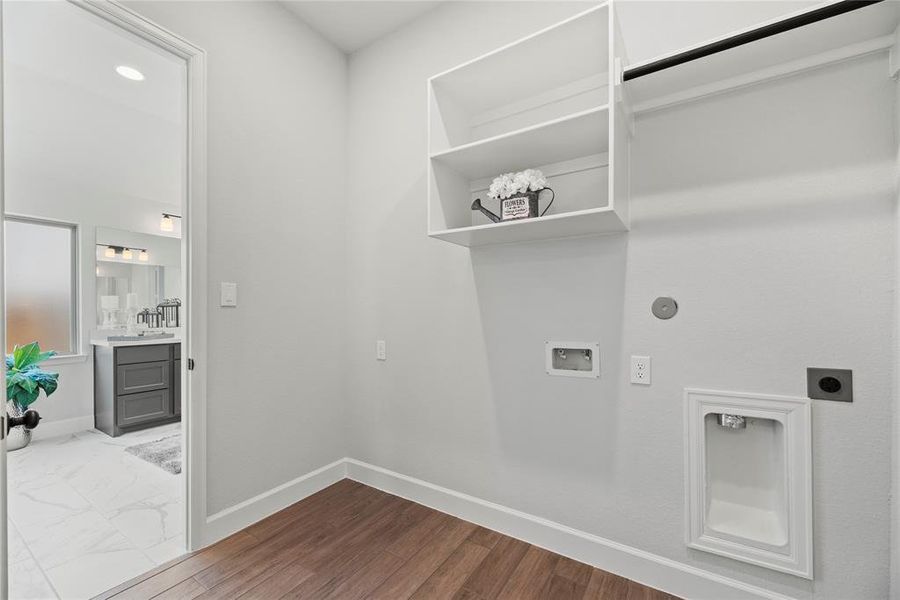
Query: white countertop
x=147 y=342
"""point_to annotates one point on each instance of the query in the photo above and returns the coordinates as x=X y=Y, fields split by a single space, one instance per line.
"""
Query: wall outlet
x=640 y=370
x=380 y=350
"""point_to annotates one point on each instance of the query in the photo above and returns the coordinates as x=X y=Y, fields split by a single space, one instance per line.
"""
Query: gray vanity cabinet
x=176 y=379
x=136 y=387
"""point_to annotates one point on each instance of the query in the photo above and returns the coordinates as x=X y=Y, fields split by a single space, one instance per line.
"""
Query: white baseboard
x=52 y=429
x=646 y=568
x=241 y=515
x=649 y=569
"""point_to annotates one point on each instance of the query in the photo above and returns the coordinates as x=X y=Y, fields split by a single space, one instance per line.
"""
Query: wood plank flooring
x=353 y=542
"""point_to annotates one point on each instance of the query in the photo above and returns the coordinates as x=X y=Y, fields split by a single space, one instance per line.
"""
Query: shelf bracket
x=621 y=95
x=894 y=62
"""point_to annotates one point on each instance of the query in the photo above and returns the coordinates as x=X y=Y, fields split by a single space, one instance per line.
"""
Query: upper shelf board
x=574 y=136
x=853 y=33
x=531 y=65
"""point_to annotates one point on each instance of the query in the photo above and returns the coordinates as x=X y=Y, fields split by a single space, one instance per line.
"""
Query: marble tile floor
x=84 y=515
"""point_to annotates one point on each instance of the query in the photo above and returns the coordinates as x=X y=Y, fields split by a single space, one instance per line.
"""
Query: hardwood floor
x=351 y=541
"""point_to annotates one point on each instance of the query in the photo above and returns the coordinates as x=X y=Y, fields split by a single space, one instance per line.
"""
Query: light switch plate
x=228 y=294
x=380 y=350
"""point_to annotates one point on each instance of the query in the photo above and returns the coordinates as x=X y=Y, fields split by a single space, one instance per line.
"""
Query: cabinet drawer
x=142 y=377
x=135 y=409
x=138 y=354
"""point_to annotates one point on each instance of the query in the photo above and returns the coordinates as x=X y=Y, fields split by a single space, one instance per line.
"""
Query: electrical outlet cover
x=829 y=384
x=640 y=370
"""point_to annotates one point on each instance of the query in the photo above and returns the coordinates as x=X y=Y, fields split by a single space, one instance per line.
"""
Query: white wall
x=277 y=148
x=768 y=214
x=655 y=27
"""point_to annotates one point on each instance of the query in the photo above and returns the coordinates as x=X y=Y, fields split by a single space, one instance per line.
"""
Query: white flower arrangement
x=510 y=184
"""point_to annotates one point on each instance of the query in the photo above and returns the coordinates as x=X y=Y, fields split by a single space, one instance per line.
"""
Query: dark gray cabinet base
x=136 y=387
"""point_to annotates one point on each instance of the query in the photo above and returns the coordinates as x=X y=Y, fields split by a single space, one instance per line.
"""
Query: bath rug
x=165 y=453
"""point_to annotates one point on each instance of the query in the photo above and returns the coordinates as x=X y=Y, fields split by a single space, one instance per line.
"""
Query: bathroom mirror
x=137 y=275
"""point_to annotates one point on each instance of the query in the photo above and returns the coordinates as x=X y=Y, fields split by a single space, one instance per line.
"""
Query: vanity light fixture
x=129 y=73
x=111 y=251
x=166 y=223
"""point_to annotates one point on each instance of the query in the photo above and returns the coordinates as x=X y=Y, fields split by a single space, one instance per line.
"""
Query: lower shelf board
x=572 y=224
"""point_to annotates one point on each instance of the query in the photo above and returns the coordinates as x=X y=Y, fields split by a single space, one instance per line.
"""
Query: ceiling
x=353 y=24
x=75 y=128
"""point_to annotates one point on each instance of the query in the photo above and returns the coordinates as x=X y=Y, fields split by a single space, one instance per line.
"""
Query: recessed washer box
x=573 y=359
x=748 y=481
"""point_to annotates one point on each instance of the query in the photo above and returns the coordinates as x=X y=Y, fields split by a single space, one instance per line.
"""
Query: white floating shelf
x=830 y=40
x=568 y=51
x=491 y=115
x=563 y=225
x=562 y=139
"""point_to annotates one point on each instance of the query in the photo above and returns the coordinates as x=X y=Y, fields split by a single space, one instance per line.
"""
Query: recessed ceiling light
x=130 y=73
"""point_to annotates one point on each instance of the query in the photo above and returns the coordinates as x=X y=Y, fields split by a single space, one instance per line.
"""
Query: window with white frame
x=41 y=284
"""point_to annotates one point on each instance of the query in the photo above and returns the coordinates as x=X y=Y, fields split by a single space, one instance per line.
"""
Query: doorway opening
x=99 y=180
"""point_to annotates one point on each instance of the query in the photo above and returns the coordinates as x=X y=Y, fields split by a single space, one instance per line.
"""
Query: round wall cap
x=664 y=307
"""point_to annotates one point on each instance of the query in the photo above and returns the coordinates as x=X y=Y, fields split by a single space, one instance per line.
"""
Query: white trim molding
x=894 y=60
x=66 y=359
x=750 y=497
x=243 y=514
x=649 y=569
x=632 y=563
x=52 y=429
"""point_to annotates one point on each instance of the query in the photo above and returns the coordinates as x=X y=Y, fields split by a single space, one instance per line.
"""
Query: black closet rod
x=807 y=18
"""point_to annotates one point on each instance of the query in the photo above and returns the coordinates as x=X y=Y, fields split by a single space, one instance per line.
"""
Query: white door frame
x=194 y=263
x=4 y=533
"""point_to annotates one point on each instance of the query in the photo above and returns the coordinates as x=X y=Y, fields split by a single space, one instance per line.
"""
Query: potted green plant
x=24 y=382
